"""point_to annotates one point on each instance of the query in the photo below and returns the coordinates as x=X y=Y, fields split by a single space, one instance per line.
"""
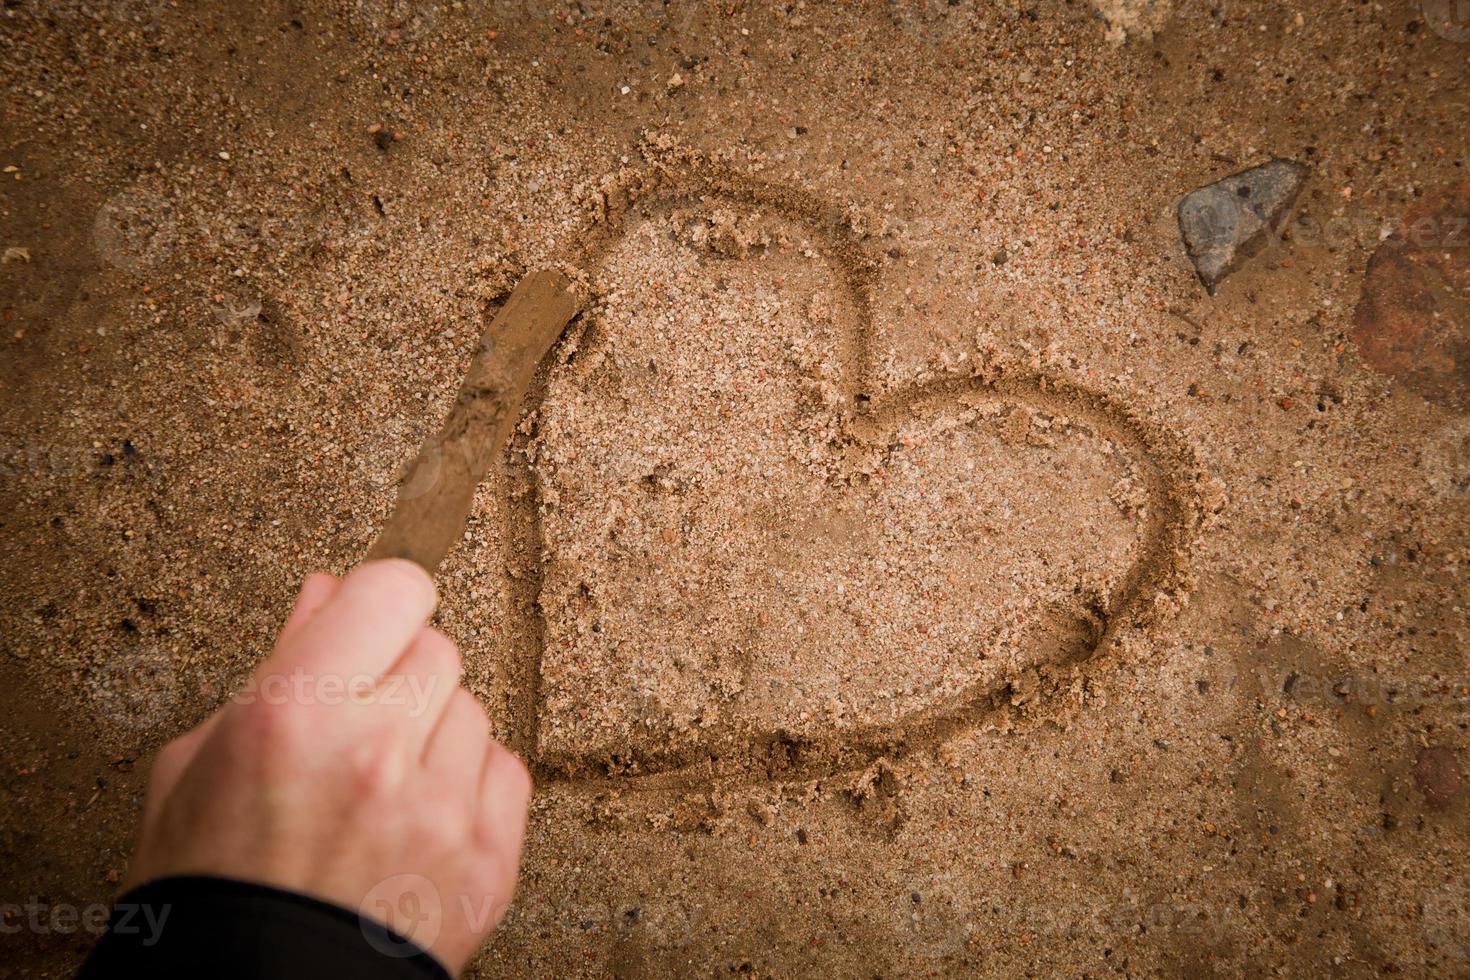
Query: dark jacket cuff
x=201 y=926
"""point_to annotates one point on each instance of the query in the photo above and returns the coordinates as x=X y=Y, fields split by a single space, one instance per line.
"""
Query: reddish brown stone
x=1438 y=776
x=1413 y=320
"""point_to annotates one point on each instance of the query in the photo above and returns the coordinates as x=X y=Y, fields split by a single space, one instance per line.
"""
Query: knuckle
x=318 y=580
x=397 y=583
x=473 y=711
x=269 y=727
x=444 y=656
x=175 y=750
x=171 y=758
x=497 y=862
x=514 y=774
x=444 y=828
x=374 y=770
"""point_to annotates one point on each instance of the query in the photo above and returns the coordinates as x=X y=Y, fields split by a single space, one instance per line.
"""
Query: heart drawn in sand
x=754 y=563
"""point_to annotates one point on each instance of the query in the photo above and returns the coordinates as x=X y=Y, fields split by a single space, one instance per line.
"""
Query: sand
x=902 y=567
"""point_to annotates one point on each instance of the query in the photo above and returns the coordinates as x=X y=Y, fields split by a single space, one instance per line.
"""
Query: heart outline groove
x=1154 y=581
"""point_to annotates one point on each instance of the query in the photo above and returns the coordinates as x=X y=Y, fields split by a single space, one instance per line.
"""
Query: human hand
x=354 y=769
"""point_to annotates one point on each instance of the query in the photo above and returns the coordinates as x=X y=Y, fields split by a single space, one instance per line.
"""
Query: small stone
x=1224 y=222
x=1133 y=20
x=1411 y=322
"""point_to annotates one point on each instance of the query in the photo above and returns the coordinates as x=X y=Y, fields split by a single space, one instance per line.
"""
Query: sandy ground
x=905 y=567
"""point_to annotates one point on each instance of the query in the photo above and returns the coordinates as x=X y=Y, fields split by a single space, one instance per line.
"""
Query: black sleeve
x=221 y=928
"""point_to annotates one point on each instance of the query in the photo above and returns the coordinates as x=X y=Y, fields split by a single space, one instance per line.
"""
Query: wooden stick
x=438 y=490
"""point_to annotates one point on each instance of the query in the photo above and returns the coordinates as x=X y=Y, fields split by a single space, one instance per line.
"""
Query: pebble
x=1407 y=325
x=1223 y=222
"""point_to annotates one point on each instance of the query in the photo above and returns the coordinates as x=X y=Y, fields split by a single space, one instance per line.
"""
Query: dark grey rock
x=1225 y=222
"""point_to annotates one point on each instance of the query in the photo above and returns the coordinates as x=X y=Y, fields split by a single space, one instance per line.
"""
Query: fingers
x=505 y=792
x=426 y=677
x=315 y=591
x=375 y=613
x=457 y=745
x=171 y=762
